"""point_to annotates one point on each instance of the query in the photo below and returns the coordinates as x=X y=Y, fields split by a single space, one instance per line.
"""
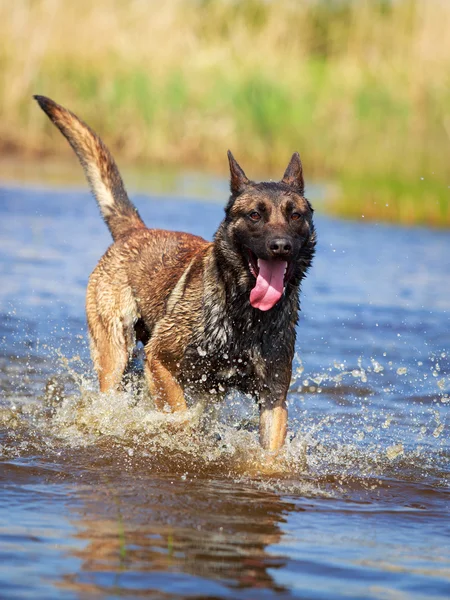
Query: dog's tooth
x=258 y=263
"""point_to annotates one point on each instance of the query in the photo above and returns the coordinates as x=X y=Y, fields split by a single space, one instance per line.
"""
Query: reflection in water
x=214 y=531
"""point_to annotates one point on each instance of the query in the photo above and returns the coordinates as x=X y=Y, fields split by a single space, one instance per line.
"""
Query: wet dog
x=212 y=316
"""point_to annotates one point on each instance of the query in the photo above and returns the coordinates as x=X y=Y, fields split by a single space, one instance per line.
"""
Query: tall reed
x=360 y=88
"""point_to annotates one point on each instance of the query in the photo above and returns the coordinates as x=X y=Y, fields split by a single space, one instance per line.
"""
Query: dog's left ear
x=239 y=179
x=293 y=176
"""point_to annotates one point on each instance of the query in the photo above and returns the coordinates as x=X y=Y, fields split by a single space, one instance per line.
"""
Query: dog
x=212 y=316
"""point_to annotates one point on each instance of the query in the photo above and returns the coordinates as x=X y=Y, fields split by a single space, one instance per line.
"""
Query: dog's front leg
x=273 y=416
x=162 y=385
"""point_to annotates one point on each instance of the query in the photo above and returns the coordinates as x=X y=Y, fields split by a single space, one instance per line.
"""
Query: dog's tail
x=99 y=167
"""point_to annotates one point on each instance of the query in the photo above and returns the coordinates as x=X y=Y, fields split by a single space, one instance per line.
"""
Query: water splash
x=342 y=436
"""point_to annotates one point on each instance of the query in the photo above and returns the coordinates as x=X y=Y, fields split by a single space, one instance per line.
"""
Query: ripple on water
x=122 y=431
x=102 y=495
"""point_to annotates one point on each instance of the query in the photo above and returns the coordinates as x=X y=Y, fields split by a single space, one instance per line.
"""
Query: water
x=103 y=497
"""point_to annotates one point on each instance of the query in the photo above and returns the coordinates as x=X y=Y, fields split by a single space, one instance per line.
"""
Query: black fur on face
x=269 y=220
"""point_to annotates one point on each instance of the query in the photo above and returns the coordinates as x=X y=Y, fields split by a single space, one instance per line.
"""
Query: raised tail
x=101 y=171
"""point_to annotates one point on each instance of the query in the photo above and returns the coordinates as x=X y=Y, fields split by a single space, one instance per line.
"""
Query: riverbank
x=360 y=89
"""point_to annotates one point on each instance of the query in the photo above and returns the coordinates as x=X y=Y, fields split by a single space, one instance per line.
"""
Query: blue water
x=103 y=497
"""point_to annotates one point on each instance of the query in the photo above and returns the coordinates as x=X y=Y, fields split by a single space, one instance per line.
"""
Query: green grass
x=360 y=88
x=411 y=202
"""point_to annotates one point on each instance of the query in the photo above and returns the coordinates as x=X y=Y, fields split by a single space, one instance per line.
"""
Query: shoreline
x=184 y=181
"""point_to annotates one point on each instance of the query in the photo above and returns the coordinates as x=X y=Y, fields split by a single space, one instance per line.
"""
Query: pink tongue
x=269 y=284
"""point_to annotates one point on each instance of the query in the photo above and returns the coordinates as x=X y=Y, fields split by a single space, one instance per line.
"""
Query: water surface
x=103 y=497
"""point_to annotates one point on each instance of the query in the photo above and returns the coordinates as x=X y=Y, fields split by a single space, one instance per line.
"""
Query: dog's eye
x=296 y=216
x=254 y=216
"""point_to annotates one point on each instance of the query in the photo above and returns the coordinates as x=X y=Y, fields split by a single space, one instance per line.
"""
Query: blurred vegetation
x=360 y=88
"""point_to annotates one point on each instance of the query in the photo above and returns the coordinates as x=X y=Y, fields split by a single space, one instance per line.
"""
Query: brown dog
x=212 y=316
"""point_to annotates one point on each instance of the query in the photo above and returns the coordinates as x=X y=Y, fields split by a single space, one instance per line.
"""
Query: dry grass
x=360 y=88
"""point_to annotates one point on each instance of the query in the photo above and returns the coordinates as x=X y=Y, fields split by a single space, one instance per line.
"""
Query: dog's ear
x=293 y=176
x=238 y=179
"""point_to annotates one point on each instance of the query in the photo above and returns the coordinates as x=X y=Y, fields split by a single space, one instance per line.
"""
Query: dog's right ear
x=293 y=176
x=238 y=179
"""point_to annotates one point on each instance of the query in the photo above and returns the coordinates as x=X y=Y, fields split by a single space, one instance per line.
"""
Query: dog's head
x=269 y=226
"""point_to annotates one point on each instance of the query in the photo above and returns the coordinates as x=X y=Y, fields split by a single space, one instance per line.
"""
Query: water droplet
x=439 y=429
x=376 y=366
x=387 y=422
x=394 y=451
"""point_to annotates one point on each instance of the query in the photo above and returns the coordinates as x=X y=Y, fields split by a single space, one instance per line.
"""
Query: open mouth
x=271 y=277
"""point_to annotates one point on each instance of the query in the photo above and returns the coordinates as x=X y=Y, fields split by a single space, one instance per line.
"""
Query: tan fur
x=125 y=287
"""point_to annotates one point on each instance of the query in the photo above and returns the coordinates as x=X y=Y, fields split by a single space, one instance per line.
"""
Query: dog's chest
x=227 y=353
x=217 y=372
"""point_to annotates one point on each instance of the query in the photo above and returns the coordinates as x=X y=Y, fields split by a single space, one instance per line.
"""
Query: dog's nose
x=280 y=247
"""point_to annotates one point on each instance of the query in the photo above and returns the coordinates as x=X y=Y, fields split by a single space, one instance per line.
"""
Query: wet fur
x=186 y=299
